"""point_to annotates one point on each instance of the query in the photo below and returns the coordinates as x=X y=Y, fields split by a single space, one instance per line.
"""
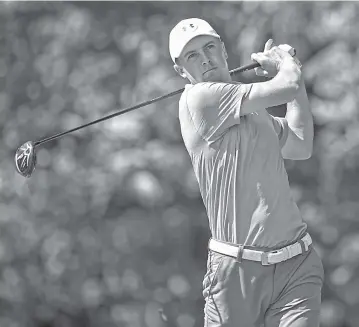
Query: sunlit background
x=111 y=227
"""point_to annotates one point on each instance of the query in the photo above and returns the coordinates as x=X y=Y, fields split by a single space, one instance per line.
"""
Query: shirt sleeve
x=281 y=127
x=215 y=107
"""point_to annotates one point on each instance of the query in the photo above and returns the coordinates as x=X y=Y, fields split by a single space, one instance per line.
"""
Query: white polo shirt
x=239 y=167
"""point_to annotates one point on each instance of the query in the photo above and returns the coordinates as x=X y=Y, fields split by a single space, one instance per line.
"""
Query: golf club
x=25 y=156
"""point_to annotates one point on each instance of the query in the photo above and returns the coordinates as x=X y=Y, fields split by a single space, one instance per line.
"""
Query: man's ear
x=224 y=50
x=179 y=70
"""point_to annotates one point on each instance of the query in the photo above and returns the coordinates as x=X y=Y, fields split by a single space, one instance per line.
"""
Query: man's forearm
x=300 y=122
x=281 y=89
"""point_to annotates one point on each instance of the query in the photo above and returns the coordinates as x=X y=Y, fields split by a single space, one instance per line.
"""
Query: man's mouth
x=209 y=70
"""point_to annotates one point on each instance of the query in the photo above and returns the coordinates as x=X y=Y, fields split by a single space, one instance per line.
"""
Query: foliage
x=111 y=227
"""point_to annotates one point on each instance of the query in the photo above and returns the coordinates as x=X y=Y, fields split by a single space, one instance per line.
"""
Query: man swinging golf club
x=262 y=269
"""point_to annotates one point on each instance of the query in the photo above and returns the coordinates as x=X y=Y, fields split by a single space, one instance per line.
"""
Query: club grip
x=255 y=64
x=245 y=68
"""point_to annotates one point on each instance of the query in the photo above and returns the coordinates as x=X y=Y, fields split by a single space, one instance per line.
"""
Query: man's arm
x=299 y=144
x=215 y=107
x=296 y=129
x=281 y=89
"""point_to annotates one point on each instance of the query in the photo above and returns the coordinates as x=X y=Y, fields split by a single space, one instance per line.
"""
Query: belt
x=266 y=258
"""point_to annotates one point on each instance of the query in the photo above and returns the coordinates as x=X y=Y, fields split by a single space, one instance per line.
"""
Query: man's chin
x=213 y=75
x=214 y=78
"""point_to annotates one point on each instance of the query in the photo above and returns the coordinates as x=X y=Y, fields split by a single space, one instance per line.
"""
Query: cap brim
x=176 y=53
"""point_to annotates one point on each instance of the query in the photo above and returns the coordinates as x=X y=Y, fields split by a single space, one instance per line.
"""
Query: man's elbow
x=306 y=154
x=306 y=148
x=302 y=152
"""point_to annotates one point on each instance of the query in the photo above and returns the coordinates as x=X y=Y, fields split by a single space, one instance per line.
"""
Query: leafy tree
x=111 y=227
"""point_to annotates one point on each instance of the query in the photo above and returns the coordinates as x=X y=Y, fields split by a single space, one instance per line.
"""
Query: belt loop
x=264 y=259
x=303 y=245
x=240 y=253
x=209 y=241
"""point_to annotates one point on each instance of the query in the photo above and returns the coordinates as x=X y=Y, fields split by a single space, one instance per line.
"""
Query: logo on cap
x=190 y=27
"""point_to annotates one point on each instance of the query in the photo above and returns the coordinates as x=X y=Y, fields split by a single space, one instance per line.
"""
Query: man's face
x=204 y=59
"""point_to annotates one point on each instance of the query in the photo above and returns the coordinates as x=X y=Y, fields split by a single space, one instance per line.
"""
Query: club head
x=25 y=159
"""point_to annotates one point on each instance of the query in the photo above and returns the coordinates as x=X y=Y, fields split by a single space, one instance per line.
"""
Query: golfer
x=262 y=269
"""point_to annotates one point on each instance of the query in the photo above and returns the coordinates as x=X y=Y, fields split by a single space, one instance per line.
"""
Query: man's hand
x=271 y=59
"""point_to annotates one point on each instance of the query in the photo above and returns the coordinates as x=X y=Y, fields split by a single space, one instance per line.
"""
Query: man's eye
x=210 y=46
x=191 y=56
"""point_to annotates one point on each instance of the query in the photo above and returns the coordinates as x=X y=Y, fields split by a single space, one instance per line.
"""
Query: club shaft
x=143 y=104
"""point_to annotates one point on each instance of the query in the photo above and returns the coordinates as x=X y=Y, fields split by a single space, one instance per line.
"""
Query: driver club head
x=25 y=159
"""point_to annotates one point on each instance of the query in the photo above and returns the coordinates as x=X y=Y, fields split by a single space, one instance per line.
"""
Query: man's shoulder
x=200 y=94
x=198 y=88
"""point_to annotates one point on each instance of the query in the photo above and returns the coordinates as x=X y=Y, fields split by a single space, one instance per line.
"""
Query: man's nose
x=205 y=59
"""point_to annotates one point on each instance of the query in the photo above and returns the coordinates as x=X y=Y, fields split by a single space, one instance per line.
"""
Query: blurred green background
x=111 y=226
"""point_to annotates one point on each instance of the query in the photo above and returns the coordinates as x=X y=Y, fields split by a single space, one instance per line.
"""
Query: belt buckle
x=264 y=259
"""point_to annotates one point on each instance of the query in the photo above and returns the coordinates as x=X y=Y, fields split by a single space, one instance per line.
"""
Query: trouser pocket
x=214 y=262
x=212 y=285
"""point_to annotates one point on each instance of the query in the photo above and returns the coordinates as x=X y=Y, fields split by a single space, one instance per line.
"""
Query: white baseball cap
x=185 y=31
